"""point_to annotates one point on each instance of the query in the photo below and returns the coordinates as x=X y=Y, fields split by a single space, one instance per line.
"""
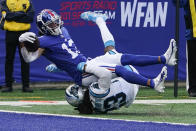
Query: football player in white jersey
x=88 y=100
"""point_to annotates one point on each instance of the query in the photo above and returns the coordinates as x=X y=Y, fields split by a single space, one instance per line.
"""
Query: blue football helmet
x=49 y=22
x=74 y=95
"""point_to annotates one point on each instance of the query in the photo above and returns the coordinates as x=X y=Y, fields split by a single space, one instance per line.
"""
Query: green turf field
x=175 y=113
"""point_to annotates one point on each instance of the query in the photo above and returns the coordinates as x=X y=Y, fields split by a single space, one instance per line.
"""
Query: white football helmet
x=74 y=95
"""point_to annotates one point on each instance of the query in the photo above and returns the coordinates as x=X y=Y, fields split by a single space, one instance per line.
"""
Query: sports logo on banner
x=132 y=13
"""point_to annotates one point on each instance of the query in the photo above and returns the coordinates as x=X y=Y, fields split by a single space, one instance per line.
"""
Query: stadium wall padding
x=142 y=27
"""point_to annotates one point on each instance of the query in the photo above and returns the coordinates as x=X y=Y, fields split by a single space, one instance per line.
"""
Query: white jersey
x=96 y=65
x=121 y=93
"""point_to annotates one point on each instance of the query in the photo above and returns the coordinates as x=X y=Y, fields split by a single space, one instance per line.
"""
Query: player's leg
x=140 y=60
x=103 y=75
x=106 y=35
x=127 y=59
x=132 y=77
x=100 y=19
x=143 y=60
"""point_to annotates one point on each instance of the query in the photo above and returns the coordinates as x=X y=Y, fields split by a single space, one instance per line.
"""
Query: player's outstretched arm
x=29 y=45
x=31 y=56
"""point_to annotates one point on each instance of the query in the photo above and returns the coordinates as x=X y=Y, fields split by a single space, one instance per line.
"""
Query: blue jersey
x=62 y=51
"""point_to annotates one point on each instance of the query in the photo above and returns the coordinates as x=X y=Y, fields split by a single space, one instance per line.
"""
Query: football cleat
x=160 y=79
x=92 y=16
x=170 y=54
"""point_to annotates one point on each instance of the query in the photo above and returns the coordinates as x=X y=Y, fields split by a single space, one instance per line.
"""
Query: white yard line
x=25 y=103
x=164 y=101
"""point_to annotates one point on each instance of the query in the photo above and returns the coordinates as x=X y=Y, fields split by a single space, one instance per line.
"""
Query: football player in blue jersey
x=58 y=47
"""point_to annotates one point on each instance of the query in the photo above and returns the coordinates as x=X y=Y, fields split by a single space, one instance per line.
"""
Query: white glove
x=52 y=68
x=27 y=36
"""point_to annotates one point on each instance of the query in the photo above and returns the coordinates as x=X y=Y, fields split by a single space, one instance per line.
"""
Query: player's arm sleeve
x=45 y=41
x=65 y=32
x=31 y=56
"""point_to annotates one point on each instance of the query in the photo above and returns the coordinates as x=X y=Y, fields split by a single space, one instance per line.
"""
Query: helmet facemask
x=74 y=95
x=54 y=27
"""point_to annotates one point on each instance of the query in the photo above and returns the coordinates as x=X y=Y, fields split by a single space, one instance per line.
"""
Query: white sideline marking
x=164 y=101
x=24 y=103
x=88 y=117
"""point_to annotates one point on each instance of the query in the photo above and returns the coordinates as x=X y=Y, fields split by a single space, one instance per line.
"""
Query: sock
x=107 y=37
x=140 y=60
x=133 y=77
x=109 y=43
x=152 y=83
x=163 y=59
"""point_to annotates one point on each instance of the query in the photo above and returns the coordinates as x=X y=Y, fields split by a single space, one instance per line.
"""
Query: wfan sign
x=153 y=14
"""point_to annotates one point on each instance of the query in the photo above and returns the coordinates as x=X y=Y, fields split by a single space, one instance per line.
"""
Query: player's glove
x=52 y=68
x=30 y=41
x=27 y=36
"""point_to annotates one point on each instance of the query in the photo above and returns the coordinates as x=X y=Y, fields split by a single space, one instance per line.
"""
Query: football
x=32 y=47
